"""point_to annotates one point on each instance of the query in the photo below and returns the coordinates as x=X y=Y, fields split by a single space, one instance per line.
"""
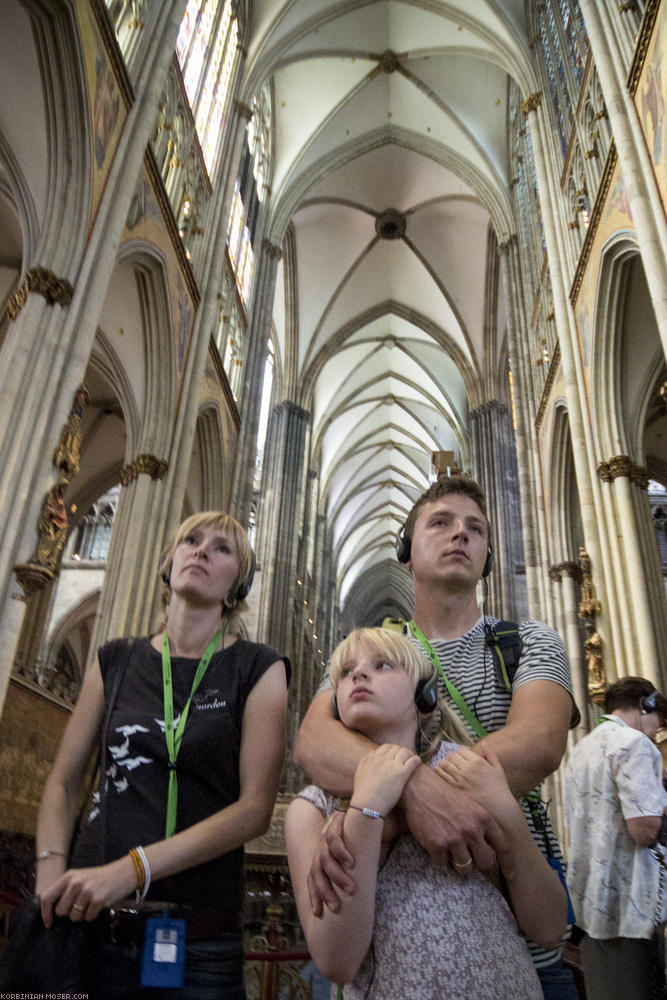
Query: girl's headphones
x=426 y=696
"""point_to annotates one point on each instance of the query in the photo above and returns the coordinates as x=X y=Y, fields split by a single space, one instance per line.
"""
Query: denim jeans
x=557 y=982
x=213 y=971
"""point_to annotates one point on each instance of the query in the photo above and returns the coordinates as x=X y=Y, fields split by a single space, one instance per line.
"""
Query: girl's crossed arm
x=339 y=941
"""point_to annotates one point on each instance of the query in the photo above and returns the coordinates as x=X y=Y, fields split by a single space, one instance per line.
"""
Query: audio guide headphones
x=426 y=696
x=649 y=703
x=243 y=588
x=404 y=546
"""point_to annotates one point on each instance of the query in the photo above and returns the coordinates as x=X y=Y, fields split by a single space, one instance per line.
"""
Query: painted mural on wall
x=145 y=223
x=651 y=99
x=105 y=104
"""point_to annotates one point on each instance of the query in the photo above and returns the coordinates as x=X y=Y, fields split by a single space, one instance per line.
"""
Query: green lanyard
x=532 y=798
x=173 y=739
x=453 y=691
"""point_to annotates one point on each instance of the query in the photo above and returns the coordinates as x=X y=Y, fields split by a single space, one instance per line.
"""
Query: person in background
x=192 y=761
x=385 y=939
x=616 y=872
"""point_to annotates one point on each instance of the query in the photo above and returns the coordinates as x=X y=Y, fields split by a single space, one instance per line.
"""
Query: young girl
x=412 y=930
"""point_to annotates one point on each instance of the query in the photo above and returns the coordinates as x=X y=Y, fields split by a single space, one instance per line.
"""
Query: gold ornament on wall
x=52 y=523
x=597 y=681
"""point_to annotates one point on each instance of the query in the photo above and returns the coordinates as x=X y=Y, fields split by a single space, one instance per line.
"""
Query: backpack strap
x=506 y=646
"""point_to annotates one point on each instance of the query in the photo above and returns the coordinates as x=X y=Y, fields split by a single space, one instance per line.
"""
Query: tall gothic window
x=249 y=193
x=206 y=46
x=527 y=203
x=564 y=48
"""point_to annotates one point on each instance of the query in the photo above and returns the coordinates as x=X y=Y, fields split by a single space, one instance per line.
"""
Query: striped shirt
x=469 y=665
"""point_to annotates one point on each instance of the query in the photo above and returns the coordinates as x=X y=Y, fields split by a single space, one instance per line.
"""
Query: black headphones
x=404 y=547
x=426 y=696
x=649 y=703
x=243 y=588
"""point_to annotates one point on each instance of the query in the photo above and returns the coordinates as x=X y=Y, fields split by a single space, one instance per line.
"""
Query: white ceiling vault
x=390 y=189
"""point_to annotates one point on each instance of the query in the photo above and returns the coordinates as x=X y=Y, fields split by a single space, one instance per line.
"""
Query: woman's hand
x=81 y=893
x=381 y=776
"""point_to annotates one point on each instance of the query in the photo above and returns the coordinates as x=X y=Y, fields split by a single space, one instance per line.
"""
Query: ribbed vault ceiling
x=385 y=327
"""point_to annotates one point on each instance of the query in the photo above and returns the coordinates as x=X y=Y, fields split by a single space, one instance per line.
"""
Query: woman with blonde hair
x=194 y=720
x=410 y=929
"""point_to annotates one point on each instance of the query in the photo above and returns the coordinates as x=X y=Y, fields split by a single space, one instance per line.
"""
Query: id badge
x=558 y=868
x=163 y=960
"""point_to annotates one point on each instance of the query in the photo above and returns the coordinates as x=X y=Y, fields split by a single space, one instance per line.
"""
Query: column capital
x=56 y=291
x=243 y=110
x=272 y=250
x=622 y=466
x=149 y=465
x=532 y=102
x=505 y=248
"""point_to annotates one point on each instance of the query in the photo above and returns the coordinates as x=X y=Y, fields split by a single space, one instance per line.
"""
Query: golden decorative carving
x=67 y=455
x=623 y=466
x=568 y=568
x=589 y=606
x=591 y=154
x=597 y=681
x=56 y=291
x=52 y=524
x=144 y=464
x=532 y=102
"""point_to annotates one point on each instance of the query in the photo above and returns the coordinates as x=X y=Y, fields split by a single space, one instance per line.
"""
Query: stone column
x=648 y=211
x=509 y=263
x=640 y=569
x=282 y=518
x=259 y=329
x=497 y=474
x=565 y=577
x=48 y=344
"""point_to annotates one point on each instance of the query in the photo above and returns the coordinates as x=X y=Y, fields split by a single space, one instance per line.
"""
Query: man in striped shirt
x=445 y=546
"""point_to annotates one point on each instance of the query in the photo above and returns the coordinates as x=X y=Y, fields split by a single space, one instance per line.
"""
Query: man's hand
x=448 y=823
x=329 y=868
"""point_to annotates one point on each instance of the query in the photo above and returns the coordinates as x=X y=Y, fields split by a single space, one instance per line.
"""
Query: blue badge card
x=163 y=961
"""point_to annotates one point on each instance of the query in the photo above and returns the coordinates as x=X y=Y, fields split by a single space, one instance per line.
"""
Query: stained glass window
x=564 y=48
x=206 y=47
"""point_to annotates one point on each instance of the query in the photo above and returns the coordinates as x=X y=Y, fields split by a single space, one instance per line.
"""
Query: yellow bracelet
x=138 y=867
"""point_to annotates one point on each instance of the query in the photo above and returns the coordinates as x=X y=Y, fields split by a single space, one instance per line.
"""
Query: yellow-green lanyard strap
x=173 y=739
x=453 y=691
x=532 y=798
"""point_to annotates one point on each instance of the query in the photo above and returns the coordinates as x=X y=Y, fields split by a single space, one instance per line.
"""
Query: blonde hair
x=395 y=648
x=228 y=525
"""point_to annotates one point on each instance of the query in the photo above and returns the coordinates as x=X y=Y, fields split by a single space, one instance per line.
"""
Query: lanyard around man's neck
x=173 y=739
x=453 y=691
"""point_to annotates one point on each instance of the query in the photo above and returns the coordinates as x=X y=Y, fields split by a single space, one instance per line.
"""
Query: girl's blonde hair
x=229 y=526
x=393 y=647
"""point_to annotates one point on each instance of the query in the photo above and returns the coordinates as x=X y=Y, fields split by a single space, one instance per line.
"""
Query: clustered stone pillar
x=496 y=472
x=281 y=525
x=251 y=398
x=525 y=415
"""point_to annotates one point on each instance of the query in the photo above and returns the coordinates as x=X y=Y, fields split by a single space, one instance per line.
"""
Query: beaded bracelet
x=367 y=812
x=43 y=855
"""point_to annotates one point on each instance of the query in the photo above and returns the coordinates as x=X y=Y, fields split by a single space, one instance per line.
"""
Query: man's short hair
x=442 y=487
x=630 y=692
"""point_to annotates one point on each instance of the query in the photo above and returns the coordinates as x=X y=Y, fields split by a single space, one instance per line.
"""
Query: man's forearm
x=527 y=757
x=327 y=750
